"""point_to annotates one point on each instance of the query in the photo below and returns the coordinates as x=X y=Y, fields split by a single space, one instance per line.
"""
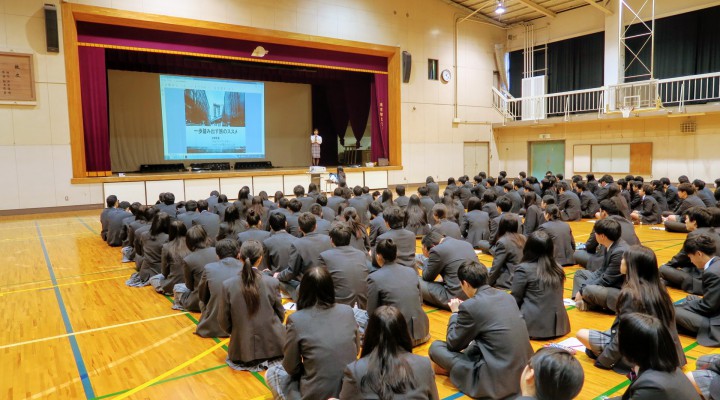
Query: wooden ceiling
x=519 y=11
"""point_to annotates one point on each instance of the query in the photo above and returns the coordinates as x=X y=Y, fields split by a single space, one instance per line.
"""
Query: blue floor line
x=455 y=396
x=87 y=386
x=87 y=226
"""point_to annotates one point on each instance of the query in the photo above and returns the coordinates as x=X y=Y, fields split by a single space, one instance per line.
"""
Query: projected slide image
x=206 y=118
x=214 y=121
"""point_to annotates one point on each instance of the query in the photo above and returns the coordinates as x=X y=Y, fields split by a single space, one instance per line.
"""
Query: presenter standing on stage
x=316 y=141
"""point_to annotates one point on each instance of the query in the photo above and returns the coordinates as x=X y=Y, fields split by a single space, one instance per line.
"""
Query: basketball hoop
x=626 y=110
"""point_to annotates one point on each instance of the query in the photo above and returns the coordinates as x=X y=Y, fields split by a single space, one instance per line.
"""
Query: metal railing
x=679 y=92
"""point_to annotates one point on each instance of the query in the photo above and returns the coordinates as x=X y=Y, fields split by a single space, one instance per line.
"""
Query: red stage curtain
x=379 y=117
x=93 y=88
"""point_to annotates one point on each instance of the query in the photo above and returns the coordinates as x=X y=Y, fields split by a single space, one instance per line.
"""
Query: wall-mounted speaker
x=51 y=29
x=406 y=66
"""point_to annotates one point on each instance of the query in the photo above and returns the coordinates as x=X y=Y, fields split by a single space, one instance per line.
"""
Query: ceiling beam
x=600 y=7
x=539 y=8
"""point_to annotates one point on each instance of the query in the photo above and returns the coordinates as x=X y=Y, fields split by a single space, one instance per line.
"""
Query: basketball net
x=626 y=110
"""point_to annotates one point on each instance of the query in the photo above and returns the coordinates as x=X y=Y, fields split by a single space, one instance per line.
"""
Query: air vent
x=688 y=126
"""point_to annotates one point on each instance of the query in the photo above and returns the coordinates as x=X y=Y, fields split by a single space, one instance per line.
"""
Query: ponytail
x=251 y=251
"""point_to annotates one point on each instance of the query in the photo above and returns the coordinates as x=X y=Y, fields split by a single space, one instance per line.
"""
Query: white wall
x=34 y=141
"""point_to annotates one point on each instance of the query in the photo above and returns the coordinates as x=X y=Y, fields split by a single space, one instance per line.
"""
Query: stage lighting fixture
x=500 y=8
x=259 y=52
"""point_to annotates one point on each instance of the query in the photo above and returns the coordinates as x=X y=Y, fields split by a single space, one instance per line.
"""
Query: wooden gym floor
x=73 y=330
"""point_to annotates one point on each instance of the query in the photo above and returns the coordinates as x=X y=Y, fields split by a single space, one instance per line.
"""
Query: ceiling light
x=259 y=52
x=500 y=8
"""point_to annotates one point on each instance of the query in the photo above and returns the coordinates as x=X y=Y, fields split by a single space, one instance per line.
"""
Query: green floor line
x=612 y=390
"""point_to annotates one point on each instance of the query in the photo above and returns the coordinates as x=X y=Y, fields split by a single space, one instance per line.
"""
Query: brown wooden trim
x=394 y=106
x=47 y=210
x=72 y=77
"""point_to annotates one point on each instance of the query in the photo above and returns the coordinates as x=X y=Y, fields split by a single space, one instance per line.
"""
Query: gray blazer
x=448 y=229
x=563 y=241
x=152 y=254
x=316 y=356
x=361 y=206
x=650 y=211
x=210 y=291
x=708 y=307
x=377 y=228
x=304 y=254
x=475 y=227
x=506 y=256
x=658 y=385
x=495 y=224
x=445 y=260
x=293 y=226
x=328 y=214
x=517 y=201
x=171 y=265
x=258 y=337
x=322 y=226
x=115 y=225
x=170 y=209
x=277 y=250
x=405 y=242
x=402 y=202
x=334 y=202
x=534 y=217
x=188 y=217
x=306 y=202
x=433 y=191
x=193 y=269
x=398 y=286
x=542 y=308
x=348 y=268
x=489 y=329
x=570 y=206
x=427 y=204
x=424 y=380
x=209 y=221
x=252 y=234
x=588 y=204
x=104 y=221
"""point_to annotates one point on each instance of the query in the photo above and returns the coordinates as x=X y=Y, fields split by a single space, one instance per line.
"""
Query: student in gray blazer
x=561 y=234
x=507 y=252
x=551 y=374
x=348 y=268
x=487 y=343
x=404 y=239
x=337 y=200
x=426 y=202
x=387 y=367
x=511 y=192
x=293 y=226
x=208 y=220
x=221 y=206
x=444 y=257
x=649 y=211
x=401 y=200
x=589 y=205
x=306 y=201
x=442 y=225
x=256 y=230
x=213 y=200
x=190 y=213
x=322 y=226
x=172 y=255
x=112 y=203
x=398 y=286
x=686 y=194
x=475 y=223
x=360 y=205
x=322 y=338
x=534 y=215
x=251 y=311
x=115 y=224
x=377 y=222
x=304 y=254
x=167 y=205
x=187 y=295
x=503 y=206
x=568 y=203
x=152 y=241
x=433 y=189
x=538 y=289
x=278 y=245
x=210 y=287
x=359 y=239
x=593 y=256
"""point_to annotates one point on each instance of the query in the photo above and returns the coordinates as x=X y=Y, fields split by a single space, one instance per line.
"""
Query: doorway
x=547 y=156
x=476 y=158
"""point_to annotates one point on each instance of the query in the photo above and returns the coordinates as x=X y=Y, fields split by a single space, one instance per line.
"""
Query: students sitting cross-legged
x=475 y=224
x=648 y=211
x=561 y=235
x=700 y=316
x=250 y=310
x=377 y=222
x=404 y=239
x=257 y=228
x=416 y=218
x=534 y=215
x=601 y=288
x=444 y=255
x=442 y=224
x=568 y=203
x=593 y=256
x=487 y=343
x=551 y=374
x=675 y=222
x=507 y=252
x=173 y=252
x=187 y=295
x=648 y=345
x=322 y=338
x=151 y=244
x=211 y=285
x=503 y=206
x=398 y=286
x=589 y=205
x=680 y=272
x=359 y=238
x=387 y=367
x=538 y=289
x=642 y=292
x=278 y=245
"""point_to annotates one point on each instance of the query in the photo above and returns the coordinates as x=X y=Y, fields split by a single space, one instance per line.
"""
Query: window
x=432 y=69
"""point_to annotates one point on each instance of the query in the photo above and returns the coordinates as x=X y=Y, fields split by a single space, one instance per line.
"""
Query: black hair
x=558 y=374
x=196 y=238
x=423 y=190
x=609 y=207
x=250 y=252
x=232 y=213
x=608 y=227
x=340 y=234
x=160 y=224
x=295 y=205
x=387 y=249
x=646 y=342
x=316 y=209
x=202 y=205
x=474 y=204
x=687 y=188
x=474 y=273
x=375 y=208
x=539 y=248
x=299 y=191
x=394 y=216
x=252 y=217
x=432 y=239
x=316 y=289
x=357 y=191
x=111 y=200
x=191 y=205
x=703 y=243
x=307 y=222
x=508 y=225
x=439 y=210
x=400 y=190
x=227 y=248
x=504 y=204
x=277 y=221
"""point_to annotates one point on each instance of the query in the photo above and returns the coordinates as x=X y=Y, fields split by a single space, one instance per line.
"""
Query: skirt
x=315 y=150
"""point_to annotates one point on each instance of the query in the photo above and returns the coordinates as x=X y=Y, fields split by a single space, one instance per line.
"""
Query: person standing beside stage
x=316 y=141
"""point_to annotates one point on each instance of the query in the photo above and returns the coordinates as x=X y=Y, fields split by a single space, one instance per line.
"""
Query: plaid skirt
x=315 y=150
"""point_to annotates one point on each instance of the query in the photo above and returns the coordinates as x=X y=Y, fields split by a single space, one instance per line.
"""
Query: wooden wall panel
x=641 y=158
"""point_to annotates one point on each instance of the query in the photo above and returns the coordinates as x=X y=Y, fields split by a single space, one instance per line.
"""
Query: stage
x=145 y=188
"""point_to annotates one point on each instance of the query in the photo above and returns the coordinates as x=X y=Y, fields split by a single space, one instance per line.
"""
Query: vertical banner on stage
x=93 y=90
x=379 y=117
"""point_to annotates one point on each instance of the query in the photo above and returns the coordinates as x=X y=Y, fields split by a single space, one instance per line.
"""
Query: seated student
x=387 y=199
x=705 y=194
x=551 y=374
x=360 y=204
x=444 y=256
x=232 y=225
x=489 y=205
x=243 y=201
x=167 y=205
x=211 y=283
x=649 y=212
x=256 y=230
x=377 y=222
x=387 y=367
x=589 y=205
x=464 y=191
x=221 y=206
x=137 y=253
x=511 y=192
x=306 y=201
x=173 y=252
x=561 y=234
x=442 y=224
x=426 y=202
x=133 y=211
x=698 y=316
x=676 y=221
x=250 y=308
x=507 y=252
x=304 y=254
x=680 y=272
x=706 y=377
x=140 y=220
x=451 y=187
x=671 y=193
x=643 y=292
x=616 y=197
x=151 y=243
x=337 y=200
x=112 y=203
x=328 y=213
x=534 y=215
x=293 y=227
x=537 y=287
x=402 y=200
x=313 y=191
x=190 y=213
x=397 y=286
x=648 y=345
x=261 y=210
x=476 y=223
x=187 y=295
x=278 y=245
x=322 y=226
x=601 y=288
x=322 y=338
x=503 y=206
x=416 y=218
x=348 y=268
x=115 y=224
x=487 y=343
x=208 y=220
x=281 y=203
x=359 y=238
x=659 y=196
x=568 y=203
x=433 y=189
x=404 y=239
x=593 y=256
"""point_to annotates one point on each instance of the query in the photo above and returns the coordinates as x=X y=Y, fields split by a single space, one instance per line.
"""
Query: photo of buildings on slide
x=214 y=121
